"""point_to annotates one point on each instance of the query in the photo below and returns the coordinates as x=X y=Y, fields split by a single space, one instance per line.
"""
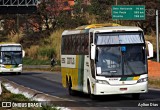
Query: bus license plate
x=123 y=89
x=11 y=69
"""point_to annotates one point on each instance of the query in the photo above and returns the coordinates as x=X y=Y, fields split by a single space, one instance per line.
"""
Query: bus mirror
x=149 y=49
x=23 y=53
x=93 y=51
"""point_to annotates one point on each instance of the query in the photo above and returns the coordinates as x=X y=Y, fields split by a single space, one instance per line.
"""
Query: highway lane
x=50 y=83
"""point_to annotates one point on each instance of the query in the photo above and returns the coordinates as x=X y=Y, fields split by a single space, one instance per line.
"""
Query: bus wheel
x=69 y=85
x=19 y=73
x=89 y=91
x=136 y=96
x=14 y=73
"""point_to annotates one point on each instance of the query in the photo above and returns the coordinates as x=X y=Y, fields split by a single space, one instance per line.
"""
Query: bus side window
x=62 y=45
x=69 y=44
x=82 y=44
x=74 y=44
x=0 y=58
x=86 y=41
x=78 y=44
x=91 y=37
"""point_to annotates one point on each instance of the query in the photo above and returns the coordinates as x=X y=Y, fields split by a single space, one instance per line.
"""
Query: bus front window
x=12 y=58
x=134 y=60
x=109 y=61
x=112 y=61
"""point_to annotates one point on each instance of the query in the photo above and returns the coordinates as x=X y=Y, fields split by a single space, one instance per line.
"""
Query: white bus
x=101 y=60
x=11 y=58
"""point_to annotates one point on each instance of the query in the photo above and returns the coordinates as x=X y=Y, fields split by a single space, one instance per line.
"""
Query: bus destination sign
x=128 y=12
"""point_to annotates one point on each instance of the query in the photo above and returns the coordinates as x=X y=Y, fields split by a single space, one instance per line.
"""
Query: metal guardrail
x=19 y=2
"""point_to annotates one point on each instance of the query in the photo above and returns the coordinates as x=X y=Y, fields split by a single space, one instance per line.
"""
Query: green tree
x=101 y=9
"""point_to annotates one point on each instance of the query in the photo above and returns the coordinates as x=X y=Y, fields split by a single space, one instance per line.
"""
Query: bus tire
x=136 y=96
x=69 y=86
x=19 y=73
x=14 y=73
x=89 y=91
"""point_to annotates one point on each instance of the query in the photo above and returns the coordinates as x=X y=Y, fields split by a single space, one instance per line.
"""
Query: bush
x=46 y=52
x=30 y=61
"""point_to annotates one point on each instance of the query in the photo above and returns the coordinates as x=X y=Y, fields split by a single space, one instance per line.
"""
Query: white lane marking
x=155 y=89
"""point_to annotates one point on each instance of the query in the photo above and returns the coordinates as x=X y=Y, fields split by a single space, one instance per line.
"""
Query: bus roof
x=116 y=29
x=86 y=29
x=96 y=26
x=9 y=44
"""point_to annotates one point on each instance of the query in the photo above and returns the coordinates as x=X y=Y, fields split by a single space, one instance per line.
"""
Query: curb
x=35 y=95
x=155 y=89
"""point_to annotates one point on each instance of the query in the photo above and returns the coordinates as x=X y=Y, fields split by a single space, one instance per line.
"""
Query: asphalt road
x=50 y=83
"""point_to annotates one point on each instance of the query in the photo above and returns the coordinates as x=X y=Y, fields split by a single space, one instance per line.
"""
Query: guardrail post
x=157 y=38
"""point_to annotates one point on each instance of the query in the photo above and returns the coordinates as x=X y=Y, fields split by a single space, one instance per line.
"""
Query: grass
x=30 y=61
x=55 y=69
x=15 y=37
x=154 y=83
x=42 y=53
x=41 y=49
x=10 y=97
x=55 y=39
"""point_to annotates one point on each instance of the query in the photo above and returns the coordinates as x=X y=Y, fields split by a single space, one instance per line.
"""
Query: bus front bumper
x=104 y=89
x=11 y=70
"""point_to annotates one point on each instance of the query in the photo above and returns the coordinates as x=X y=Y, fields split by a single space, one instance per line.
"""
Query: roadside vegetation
x=154 y=83
x=10 y=97
x=41 y=54
x=40 y=33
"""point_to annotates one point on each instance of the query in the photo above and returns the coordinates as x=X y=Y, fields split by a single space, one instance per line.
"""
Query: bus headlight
x=142 y=80
x=2 y=66
x=20 y=65
x=102 y=81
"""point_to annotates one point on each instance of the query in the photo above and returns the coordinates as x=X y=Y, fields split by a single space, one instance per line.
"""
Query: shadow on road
x=106 y=98
x=16 y=74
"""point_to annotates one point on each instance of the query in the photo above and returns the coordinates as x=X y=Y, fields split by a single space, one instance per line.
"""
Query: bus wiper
x=130 y=68
x=14 y=60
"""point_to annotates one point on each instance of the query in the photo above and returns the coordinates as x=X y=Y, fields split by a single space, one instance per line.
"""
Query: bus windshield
x=111 y=61
x=108 y=61
x=134 y=60
x=120 y=54
x=12 y=58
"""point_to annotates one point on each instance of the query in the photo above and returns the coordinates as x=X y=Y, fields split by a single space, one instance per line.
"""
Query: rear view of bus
x=11 y=58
